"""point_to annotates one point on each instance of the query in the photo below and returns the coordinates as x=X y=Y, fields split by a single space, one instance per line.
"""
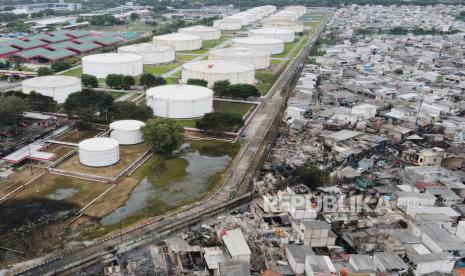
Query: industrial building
x=283 y=34
x=150 y=53
x=99 y=152
x=217 y=70
x=205 y=32
x=259 y=59
x=102 y=65
x=180 y=42
x=268 y=45
x=57 y=87
x=127 y=132
x=180 y=101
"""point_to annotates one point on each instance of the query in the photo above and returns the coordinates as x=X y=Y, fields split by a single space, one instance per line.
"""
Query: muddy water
x=147 y=195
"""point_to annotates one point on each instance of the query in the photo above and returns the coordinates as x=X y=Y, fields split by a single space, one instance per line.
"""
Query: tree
x=11 y=109
x=114 y=81
x=104 y=20
x=4 y=64
x=149 y=80
x=89 y=81
x=88 y=104
x=134 y=16
x=198 y=82
x=219 y=122
x=163 y=135
x=44 y=71
x=127 y=82
x=242 y=90
x=312 y=176
x=220 y=86
x=60 y=66
x=130 y=110
x=40 y=102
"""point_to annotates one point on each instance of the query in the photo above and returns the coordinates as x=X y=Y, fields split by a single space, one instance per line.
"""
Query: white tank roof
x=239 y=52
x=112 y=58
x=177 y=37
x=179 y=92
x=98 y=144
x=271 y=31
x=51 y=81
x=146 y=48
x=218 y=66
x=127 y=125
x=257 y=40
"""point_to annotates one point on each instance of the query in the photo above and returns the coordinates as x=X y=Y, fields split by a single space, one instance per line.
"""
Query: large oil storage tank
x=258 y=58
x=283 y=34
x=228 y=24
x=180 y=101
x=99 y=152
x=218 y=70
x=180 y=42
x=127 y=132
x=205 y=32
x=150 y=53
x=295 y=26
x=244 y=20
x=267 y=45
x=102 y=65
x=57 y=87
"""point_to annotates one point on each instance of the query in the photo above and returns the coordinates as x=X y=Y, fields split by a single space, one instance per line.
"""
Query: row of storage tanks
x=236 y=64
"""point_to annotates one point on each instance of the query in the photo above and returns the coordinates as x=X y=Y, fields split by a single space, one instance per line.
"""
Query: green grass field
x=161 y=69
x=184 y=58
x=232 y=107
x=267 y=80
x=213 y=43
x=76 y=72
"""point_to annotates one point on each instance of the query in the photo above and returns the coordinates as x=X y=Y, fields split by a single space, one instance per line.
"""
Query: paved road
x=255 y=133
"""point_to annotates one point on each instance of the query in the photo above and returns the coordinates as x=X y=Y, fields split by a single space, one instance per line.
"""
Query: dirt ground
x=128 y=154
x=76 y=136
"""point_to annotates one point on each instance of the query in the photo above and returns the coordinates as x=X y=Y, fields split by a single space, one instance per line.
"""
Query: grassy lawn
x=312 y=23
x=161 y=69
x=213 y=43
x=267 y=80
x=177 y=74
x=181 y=57
x=232 y=107
x=172 y=80
x=187 y=122
x=195 y=52
x=76 y=72
x=117 y=95
x=276 y=61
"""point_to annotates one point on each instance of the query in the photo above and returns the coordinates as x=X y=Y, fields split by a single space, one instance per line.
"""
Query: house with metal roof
x=80 y=48
x=7 y=51
x=42 y=55
x=23 y=44
x=236 y=245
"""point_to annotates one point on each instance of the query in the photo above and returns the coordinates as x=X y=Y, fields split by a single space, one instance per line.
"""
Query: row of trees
x=117 y=81
x=242 y=91
x=94 y=106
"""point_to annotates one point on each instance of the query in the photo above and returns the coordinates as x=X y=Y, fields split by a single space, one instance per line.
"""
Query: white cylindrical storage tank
x=259 y=59
x=268 y=45
x=180 y=42
x=295 y=26
x=218 y=70
x=205 y=32
x=102 y=65
x=302 y=10
x=127 y=132
x=252 y=17
x=286 y=35
x=57 y=87
x=150 y=53
x=228 y=24
x=180 y=101
x=99 y=152
x=244 y=20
